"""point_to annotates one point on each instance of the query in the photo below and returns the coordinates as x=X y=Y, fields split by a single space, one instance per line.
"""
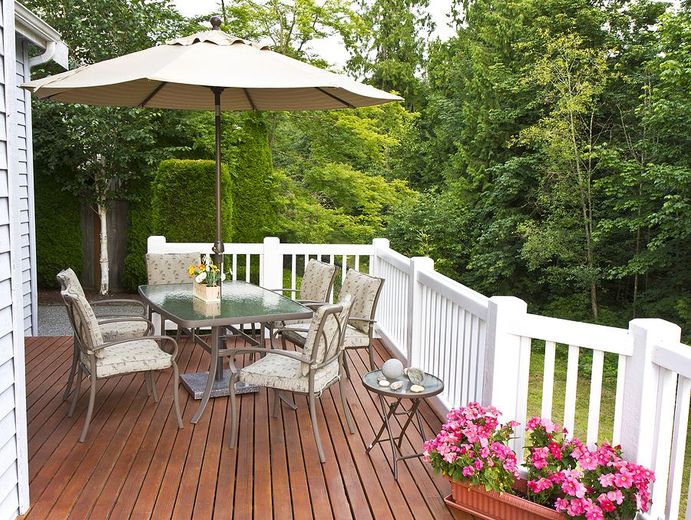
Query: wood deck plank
x=136 y=464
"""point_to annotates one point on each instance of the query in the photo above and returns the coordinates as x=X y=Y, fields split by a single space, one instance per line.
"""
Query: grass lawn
x=609 y=382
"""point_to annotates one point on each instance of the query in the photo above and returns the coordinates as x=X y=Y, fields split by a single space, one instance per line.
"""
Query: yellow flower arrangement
x=206 y=272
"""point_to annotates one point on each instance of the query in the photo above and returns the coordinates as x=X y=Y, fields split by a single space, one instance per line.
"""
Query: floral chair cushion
x=135 y=356
x=69 y=280
x=284 y=373
x=364 y=291
x=325 y=342
x=168 y=268
x=83 y=320
x=354 y=338
x=123 y=330
x=317 y=281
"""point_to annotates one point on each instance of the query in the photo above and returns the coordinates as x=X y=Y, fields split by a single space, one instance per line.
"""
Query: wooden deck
x=137 y=464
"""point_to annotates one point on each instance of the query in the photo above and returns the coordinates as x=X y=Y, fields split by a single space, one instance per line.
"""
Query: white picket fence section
x=481 y=348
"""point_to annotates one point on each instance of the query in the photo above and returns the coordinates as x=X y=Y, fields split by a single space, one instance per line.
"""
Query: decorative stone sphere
x=392 y=369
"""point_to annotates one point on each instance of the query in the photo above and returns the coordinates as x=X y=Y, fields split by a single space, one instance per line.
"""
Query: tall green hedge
x=183 y=201
x=254 y=186
x=58 y=230
x=140 y=229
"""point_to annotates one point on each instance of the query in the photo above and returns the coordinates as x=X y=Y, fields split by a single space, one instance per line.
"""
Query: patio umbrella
x=205 y=71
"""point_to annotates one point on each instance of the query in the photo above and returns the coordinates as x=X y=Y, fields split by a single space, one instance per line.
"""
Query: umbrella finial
x=216 y=23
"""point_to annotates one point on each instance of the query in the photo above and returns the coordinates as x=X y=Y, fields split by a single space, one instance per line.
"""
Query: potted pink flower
x=583 y=483
x=472 y=451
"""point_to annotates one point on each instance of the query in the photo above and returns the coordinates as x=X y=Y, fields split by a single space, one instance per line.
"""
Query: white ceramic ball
x=392 y=369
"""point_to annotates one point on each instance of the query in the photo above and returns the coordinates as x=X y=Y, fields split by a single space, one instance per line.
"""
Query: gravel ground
x=53 y=320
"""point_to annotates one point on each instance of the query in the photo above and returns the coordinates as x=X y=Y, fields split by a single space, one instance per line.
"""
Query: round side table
x=433 y=386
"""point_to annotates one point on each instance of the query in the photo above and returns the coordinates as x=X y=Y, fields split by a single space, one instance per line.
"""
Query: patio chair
x=315 y=289
x=318 y=366
x=100 y=359
x=113 y=326
x=170 y=268
x=364 y=291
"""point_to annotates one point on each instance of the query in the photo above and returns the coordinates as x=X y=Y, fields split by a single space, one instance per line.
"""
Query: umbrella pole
x=218 y=245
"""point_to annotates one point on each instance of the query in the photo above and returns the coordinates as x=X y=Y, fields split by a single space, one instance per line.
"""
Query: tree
x=97 y=151
x=573 y=78
x=390 y=51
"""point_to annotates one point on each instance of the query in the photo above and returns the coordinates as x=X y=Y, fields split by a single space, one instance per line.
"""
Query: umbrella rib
x=249 y=98
x=153 y=93
x=333 y=96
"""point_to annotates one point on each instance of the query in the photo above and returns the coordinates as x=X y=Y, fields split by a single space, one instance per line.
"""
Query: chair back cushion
x=364 y=291
x=69 y=281
x=83 y=320
x=326 y=333
x=168 y=268
x=317 y=281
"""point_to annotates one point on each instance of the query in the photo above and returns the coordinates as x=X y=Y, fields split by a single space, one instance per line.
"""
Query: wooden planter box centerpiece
x=206 y=293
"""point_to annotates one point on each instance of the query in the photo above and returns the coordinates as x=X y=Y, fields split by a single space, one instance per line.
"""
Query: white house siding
x=26 y=190
x=14 y=488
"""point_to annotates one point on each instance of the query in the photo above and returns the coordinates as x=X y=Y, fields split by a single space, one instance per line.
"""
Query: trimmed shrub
x=183 y=199
x=254 y=186
x=140 y=229
x=58 y=230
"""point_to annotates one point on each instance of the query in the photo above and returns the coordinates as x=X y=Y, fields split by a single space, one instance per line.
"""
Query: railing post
x=641 y=384
x=271 y=274
x=377 y=244
x=501 y=387
x=414 y=310
x=156 y=244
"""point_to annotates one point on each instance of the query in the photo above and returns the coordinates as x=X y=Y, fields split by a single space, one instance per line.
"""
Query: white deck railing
x=481 y=347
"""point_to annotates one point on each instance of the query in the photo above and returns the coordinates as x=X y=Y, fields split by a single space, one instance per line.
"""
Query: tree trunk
x=102 y=211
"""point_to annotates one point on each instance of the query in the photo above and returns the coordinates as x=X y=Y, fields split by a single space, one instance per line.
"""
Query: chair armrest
x=121 y=319
x=366 y=320
x=289 y=329
x=174 y=352
x=312 y=304
x=230 y=353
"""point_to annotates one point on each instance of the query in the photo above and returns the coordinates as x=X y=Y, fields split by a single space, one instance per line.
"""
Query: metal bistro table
x=433 y=386
x=241 y=303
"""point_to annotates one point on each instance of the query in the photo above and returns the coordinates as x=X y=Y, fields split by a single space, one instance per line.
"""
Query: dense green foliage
x=547 y=156
x=254 y=187
x=554 y=146
x=183 y=201
x=59 y=243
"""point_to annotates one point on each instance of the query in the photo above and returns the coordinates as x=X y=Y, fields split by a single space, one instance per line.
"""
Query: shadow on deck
x=137 y=464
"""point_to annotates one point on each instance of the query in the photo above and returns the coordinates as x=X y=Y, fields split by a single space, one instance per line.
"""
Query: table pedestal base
x=195 y=384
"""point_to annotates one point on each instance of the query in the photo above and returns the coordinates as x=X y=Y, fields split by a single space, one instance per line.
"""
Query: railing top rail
x=204 y=247
x=575 y=333
x=473 y=301
x=675 y=358
x=326 y=249
x=394 y=258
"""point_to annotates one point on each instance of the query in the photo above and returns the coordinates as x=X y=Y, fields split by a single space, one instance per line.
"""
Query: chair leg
x=176 y=398
x=345 y=364
x=73 y=370
x=346 y=409
x=77 y=391
x=233 y=413
x=370 y=350
x=315 y=428
x=152 y=385
x=90 y=410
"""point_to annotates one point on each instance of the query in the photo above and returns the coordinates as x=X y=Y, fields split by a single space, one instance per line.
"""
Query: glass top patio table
x=241 y=303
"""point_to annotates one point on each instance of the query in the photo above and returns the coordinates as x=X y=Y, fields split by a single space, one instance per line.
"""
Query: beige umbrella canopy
x=208 y=70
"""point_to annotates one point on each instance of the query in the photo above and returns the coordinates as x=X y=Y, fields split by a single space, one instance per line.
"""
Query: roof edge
x=38 y=32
